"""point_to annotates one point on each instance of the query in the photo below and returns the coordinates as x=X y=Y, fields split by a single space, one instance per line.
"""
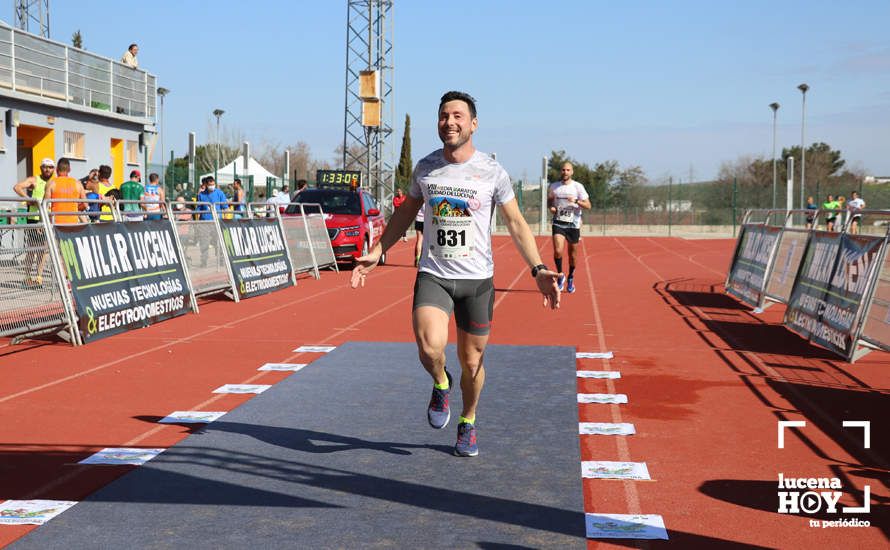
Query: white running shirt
x=458 y=202
x=568 y=214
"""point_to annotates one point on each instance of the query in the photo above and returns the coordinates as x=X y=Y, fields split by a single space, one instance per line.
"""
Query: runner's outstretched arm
x=402 y=217
x=525 y=243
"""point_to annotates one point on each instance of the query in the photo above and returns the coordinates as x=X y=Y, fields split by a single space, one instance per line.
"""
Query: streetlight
x=217 y=113
x=774 y=107
x=163 y=92
x=803 y=152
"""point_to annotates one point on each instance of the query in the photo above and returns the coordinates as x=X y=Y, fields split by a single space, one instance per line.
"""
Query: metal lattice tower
x=369 y=47
x=32 y=13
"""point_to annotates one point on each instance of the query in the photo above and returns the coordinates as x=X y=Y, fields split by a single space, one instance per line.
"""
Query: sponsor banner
x=315 y=349
x=876 y=328
x=602 y=374
x=625 y=526
x=123 y=275
x=594 y=355
x=827 y=299
x=283 y=367
x=788 y=257
x=747 y=274
x=603 y=398
x=191 y=417
x=615 y=470
x=257 y=252
x=31 y=512
x=605 y=428
x=122 y=456
x=242 y=388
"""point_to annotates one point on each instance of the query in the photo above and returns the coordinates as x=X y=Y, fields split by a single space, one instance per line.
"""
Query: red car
x=353 y=219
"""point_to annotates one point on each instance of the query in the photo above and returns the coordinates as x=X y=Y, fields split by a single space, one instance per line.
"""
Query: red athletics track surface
x=706 y=382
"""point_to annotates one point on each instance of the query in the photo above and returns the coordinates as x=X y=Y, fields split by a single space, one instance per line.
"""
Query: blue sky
x=665 y=85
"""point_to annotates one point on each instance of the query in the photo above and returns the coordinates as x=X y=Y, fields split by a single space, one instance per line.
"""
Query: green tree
x=628 y=188
x=77 y=40
x=403 y=172
x=823 y=163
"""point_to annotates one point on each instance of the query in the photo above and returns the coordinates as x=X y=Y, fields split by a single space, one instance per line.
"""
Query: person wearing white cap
x=35 y=188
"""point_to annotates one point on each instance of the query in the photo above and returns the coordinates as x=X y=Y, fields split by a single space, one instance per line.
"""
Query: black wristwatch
x=538 y=268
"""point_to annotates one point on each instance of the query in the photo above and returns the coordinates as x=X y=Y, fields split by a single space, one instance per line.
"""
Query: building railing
x=33 y=65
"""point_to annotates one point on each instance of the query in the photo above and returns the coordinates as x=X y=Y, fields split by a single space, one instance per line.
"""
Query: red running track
x=706 y=381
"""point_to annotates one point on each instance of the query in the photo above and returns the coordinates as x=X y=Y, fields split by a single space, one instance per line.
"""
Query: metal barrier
x=295 y=232
x=835 y=284
x=797 y=225
x=319 y=235
x=32 y=300
x=203 y=249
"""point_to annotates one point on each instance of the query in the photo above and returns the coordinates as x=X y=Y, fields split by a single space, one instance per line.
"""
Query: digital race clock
x=338 y=178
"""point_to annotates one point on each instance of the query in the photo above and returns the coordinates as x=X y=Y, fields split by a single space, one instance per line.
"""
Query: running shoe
x=561 y=281
x=438 y=412
x=570 y=288
x=466 y=440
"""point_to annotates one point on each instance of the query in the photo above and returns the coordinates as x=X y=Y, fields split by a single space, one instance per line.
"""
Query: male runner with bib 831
x=567 y=198
x=458 y=187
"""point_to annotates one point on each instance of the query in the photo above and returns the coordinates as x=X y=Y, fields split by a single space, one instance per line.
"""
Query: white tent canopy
x=227 y=173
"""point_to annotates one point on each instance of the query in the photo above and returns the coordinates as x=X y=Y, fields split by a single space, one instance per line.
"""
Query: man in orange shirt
x=65 y=187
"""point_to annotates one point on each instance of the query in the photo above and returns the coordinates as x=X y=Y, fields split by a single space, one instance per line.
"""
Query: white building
x=58 y=101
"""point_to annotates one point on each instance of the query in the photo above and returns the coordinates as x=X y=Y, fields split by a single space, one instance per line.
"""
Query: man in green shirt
x=830 y=217
x=132 y=191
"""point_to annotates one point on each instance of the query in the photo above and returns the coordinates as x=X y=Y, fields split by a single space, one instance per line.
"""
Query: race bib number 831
x=453 y=237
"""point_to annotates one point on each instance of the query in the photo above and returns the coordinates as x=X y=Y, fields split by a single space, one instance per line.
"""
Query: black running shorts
x=471 y=300
x=418 y=226
x=572 y=234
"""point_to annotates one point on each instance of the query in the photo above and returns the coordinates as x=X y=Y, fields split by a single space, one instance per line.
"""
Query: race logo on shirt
x=452 y=209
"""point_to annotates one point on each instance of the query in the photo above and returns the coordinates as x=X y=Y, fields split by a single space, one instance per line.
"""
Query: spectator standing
x=129 y=57
x=65 y=187
x=35 y=187
x=212 y=195
x=238 y=198
x=217 y=200
x=155 y=196
x=104 y=188
x=397 y=199
x=132 y=190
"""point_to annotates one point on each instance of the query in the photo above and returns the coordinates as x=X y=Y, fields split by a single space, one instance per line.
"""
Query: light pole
x=774 y=107
x=217 y=113
x=803 y=151
x=161 y=93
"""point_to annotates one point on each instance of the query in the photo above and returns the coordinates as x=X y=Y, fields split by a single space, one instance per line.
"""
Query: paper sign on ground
x=315 y=349
x=625 y=526
x=242 y=388
x=284 y=367
x=191 y=417
x=31 y=512
x=605 y=398
x=122 y=456
x=609 y=374
x=605 y=428
x=594 y=355
x=614 y=470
